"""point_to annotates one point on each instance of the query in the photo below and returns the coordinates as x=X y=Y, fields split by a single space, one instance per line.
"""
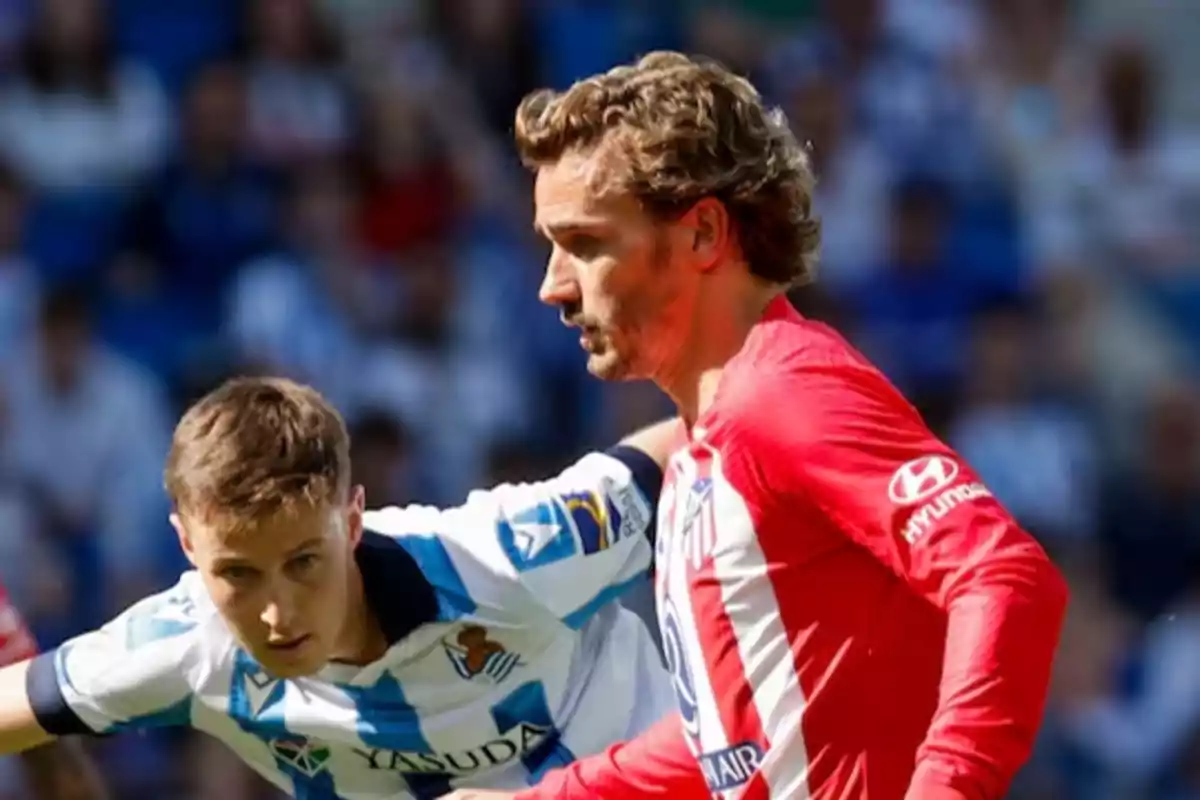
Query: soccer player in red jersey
x=846 y=610
x=59 y=771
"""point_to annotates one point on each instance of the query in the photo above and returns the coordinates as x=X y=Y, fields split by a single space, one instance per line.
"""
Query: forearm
x=62 y=771
x=657 y=764
x=55 y=770
x=1003 y=630
x=19 y=727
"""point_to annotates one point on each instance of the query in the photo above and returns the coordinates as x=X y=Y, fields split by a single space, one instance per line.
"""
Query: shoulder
x=795 y=380
x=164 y=643
x=454 y=552
x=179 y=618
x=396 y=522
x=809 y=407
x=785 y=339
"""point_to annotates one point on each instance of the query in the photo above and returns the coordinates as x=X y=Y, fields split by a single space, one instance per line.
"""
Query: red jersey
x=16 y=642
x=847 y=612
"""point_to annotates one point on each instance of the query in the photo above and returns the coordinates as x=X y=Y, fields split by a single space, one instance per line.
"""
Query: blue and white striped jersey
x=521 y=664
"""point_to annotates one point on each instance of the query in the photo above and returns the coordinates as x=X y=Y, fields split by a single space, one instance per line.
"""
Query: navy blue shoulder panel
x=647 y=475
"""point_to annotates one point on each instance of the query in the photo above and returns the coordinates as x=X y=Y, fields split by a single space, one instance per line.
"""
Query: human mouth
x=589 y=338
x=289 y=645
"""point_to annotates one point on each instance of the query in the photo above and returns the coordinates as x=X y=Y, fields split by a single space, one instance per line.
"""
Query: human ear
x=185 y=541
x=709 y=226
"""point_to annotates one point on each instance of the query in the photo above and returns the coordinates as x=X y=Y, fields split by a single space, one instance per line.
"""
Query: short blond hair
x=687 y=129
x=255 y=446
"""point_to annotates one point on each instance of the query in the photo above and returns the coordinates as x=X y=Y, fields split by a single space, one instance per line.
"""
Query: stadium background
x=1011 y=196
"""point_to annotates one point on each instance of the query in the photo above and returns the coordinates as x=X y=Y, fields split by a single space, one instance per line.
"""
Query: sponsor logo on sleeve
x=537 y=535
x=597 y=521
x=921 y=478
x=629 y=511
x=929 y=484
x=570 y=523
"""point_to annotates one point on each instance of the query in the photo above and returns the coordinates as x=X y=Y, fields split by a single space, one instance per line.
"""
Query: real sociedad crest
x=474 y=655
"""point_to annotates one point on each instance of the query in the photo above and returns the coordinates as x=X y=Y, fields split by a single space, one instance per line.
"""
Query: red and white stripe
x=708 y=734
x=718 y=572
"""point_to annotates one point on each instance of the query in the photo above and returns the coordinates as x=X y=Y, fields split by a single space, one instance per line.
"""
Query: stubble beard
x=629 y=353
x=608 y=363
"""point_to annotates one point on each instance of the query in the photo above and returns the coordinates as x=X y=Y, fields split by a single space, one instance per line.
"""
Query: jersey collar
x=396 y=590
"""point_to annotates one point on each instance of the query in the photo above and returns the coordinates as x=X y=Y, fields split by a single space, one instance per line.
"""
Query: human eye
x=584 y=245
x=304 y=562
x=237 y=573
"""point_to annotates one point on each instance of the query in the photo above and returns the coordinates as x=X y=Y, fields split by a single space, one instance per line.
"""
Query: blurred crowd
x=1010 y=192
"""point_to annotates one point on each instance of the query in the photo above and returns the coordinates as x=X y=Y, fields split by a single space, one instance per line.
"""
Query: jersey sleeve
x=656 y=764
x=130 y=674
x=862 y=455
x=571 y=543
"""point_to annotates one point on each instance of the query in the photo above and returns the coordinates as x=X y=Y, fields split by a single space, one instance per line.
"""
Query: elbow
x=1057 y=592
x=1045 y=594
x=1047 y=589
x=1021 y=564
x=1015 y=567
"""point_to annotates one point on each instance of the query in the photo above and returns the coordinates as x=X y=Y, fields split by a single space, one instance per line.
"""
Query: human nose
x=279 y=613
x=559 y=287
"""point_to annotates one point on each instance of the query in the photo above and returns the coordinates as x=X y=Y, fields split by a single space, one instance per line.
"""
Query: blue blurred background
x=326 y=188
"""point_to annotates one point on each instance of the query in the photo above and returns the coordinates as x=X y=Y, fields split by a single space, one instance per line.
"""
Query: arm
x=860 y=453
x=19 y=727
x=658 y=441
x=569 y=545
x=611 y=509
x=59 y=770
x=658 y=763
x=130 y=674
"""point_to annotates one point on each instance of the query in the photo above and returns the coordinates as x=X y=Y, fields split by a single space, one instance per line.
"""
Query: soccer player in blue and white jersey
x=387 y=654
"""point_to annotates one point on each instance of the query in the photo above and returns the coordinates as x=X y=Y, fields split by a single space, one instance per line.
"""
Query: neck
x=362 y=640
x=718 y=331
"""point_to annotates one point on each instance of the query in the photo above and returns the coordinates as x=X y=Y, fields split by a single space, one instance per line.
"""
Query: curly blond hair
x=686 y=129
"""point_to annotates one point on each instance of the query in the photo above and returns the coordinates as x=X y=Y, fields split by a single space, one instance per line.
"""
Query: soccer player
x=60 y=771
x=351 y=654
x=847 y=611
